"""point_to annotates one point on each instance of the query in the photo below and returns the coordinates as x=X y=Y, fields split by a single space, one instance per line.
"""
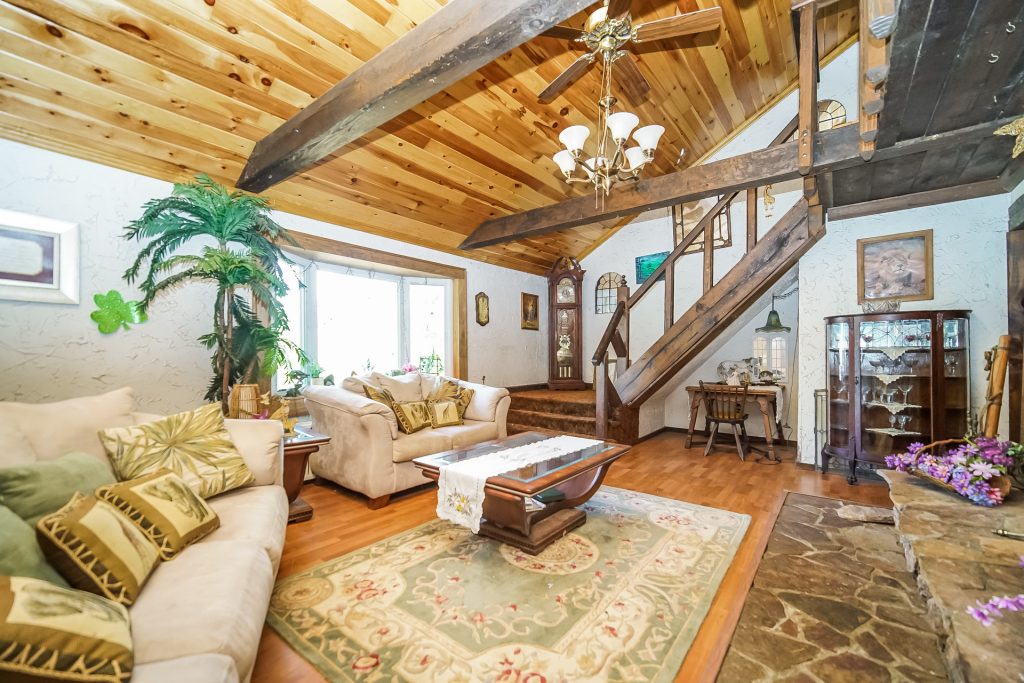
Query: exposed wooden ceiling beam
x=834 y=149
x=451 y=44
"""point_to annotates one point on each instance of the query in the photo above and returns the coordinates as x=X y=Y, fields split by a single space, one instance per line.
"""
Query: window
x=830 y=114
x=778 y=357
x=353 y=320
x=761 y=350
x=606 y=294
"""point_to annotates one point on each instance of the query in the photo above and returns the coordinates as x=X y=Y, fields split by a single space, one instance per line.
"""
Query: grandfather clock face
x=565 y=293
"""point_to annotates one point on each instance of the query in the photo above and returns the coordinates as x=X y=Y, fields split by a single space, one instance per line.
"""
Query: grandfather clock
x=565 y=328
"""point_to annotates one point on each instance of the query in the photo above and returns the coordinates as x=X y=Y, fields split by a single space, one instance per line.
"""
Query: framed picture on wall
x=38 y=259
x=531 y=312
x=646 y=265
x=895 y=267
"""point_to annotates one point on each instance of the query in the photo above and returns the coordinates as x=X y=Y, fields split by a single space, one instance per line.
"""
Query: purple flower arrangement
x=969 y=469
x=987 y=612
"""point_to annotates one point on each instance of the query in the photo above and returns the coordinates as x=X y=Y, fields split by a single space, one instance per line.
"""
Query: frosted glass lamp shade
x=621 y=124
x=594 y=163
x=573 y=137
x=636 y=157
x=565 y=161
x=648 y=136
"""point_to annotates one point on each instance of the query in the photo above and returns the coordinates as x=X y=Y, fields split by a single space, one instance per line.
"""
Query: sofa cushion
x=355 y=403
x=443 y=413
x=206 y=668
x=470 y=432
x=97 y=549
x=259 y=443
x=256 y=515
x=19 y=551
x=46 y=431
x=52 y=633
x=164 y=508
x=402 y=387
x=194 y=444
x=484 y=403
x=43 y=487
x=445 y=389
x=212 y=598
x=355 y=383
x=425 y=442
x=412 y=415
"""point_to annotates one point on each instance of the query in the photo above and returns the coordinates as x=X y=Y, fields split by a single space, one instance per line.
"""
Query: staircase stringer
x=752 y=276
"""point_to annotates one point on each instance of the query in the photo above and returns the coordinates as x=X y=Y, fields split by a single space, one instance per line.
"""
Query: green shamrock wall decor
x=113 y=312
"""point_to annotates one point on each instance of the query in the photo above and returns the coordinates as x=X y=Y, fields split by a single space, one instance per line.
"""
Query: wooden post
x=670 y=295
x=601 y=396
x=873 y=70
x=709 y=256
x=996 y=380
x=808 y=89
x=751 y=218
x=622 y=294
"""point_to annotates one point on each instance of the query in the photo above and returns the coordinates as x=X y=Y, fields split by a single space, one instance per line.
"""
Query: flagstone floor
x=832 y=601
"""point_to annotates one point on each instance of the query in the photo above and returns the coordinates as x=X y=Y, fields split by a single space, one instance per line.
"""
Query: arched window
x=605 y=297
x=778 y=357
x=830 y=114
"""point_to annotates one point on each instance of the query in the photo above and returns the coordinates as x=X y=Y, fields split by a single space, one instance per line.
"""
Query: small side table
x=297 y=449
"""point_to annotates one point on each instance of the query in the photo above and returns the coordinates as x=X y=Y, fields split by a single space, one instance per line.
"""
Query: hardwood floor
x=659 y=466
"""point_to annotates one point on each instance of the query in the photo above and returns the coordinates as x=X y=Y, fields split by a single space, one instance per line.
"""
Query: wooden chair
x=725 y=404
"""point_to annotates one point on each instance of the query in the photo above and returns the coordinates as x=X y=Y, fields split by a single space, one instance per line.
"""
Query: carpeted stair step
x=574 y=424
x=580 y=406
x=519 y=429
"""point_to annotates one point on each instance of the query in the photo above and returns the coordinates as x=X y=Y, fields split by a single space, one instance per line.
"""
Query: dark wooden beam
x=916 y=200
x=751 y=217
x=1017 y=214
x=808 y=102
x=1015 y=324
x=452 y=43
x=834 y=149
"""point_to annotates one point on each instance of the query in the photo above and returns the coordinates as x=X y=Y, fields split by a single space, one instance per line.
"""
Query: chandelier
x=615 y=160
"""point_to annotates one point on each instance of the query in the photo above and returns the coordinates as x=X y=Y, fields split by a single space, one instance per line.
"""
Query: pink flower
x=983 y=470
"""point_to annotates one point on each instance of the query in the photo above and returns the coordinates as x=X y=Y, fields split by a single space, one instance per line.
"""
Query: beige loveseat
x=369 y=454
x=199 y=616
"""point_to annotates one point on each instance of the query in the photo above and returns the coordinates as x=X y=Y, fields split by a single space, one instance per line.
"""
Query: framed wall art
x=895 y=267
x=38 y=259
x=483 y=309
x=646 y=265
x=531 y=312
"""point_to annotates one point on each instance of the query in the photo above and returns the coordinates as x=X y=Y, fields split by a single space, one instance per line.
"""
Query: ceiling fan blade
x=616 y=8
x=681 y=25
x=633 y=84
x=566 y=78
x=567 y=32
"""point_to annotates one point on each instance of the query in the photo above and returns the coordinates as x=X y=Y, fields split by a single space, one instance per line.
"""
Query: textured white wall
x=49 y=351
x=970 y=273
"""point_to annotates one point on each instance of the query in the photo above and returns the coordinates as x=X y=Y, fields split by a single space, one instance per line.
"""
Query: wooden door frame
x=328 y=250
x=1015 y=315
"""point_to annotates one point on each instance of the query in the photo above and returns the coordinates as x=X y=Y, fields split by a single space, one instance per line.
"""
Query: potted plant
x=237 y=250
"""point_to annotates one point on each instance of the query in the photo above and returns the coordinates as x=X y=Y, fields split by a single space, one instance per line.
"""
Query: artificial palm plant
x=238 y=254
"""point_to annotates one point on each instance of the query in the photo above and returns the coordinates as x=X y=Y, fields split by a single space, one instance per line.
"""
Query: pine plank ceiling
x=171 y=88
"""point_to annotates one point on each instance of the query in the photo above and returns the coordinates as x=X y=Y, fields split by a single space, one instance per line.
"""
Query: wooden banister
x=709 y=252
x=606 y=339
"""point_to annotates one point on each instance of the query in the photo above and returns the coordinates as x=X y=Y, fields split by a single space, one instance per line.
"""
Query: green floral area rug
x=619 y=599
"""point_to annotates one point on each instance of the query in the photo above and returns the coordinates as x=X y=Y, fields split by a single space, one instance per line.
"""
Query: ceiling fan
x=608 y=30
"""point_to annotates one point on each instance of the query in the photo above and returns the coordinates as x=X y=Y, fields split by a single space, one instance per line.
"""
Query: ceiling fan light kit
x=606 y=31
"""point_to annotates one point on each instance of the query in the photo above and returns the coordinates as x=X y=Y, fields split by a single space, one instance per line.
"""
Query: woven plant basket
x=1003 y=483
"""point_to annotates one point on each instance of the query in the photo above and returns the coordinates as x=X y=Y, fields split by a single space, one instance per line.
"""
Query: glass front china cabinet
x=893 y=379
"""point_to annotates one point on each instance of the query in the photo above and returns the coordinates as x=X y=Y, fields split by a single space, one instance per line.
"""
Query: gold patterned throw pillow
x=51 y=633
x=412 y=415
x=447 y=390
x=97 y=549
x=379 y=395
x=170 y=514
x=195 y=445
x=443 y=413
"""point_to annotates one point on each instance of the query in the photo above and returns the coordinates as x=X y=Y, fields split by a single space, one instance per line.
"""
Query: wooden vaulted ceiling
x=171 y=88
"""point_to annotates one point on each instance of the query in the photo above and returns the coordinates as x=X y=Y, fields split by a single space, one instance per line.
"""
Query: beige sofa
x=200 y=615
x=369 y=454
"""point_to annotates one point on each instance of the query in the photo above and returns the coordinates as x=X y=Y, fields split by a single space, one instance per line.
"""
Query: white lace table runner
x=460 y=493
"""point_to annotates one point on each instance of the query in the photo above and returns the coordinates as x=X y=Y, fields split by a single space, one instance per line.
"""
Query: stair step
x=548 y=405
x=576 y=424
x=519 y=429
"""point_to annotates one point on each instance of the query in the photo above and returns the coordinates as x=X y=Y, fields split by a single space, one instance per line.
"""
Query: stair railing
x=617 y=335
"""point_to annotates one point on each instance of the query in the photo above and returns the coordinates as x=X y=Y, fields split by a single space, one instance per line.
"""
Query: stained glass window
x=605 y=297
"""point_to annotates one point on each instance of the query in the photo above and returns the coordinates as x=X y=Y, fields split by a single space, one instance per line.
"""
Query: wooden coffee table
x=561 y=484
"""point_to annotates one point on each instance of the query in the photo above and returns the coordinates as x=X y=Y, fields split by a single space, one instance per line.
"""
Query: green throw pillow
x=19 y=551
x=35 y=490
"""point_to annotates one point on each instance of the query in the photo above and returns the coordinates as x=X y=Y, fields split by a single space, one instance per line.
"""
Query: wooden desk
x=767 y=402
x=297 y=449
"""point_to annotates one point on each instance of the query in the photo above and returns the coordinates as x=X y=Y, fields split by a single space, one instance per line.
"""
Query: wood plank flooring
x=660 y=466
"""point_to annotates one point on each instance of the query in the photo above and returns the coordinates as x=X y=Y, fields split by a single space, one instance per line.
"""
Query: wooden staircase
x=766 y=261
x=562 y=412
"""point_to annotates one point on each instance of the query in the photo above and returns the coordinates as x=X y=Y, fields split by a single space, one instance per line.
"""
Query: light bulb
x=565 y=161
x=573 y=137
x=648 y=136
x=621 y=124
